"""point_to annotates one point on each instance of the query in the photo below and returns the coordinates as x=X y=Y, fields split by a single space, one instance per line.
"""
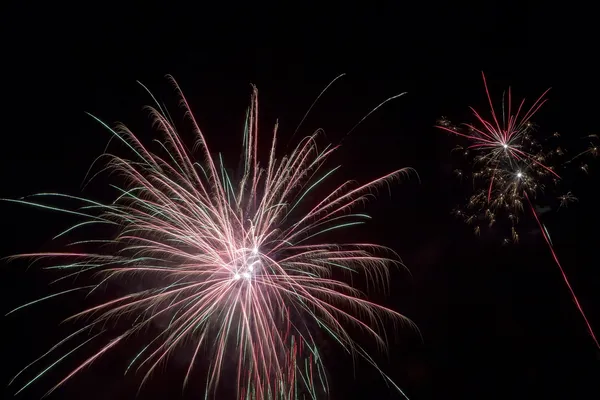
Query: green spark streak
x=170 y=155
x=56 y=362
x=170 y=343
x=347 y=268
x=329 y=229
x=83 y=264
x=111 y=130
x=30 y=203
x=153 y=98
x=48 y=297
x=168 y=116
x=82 y=224
x=83 y=269
x=246 y=121
x=154 y=210
x=310 y=188
x=138 y=356
x=201 y=169
x=230 y=186
x=324 y=382
x=176 y=314
x=329 y=220
x=68 y=196
x=305 y=380
x=223 y=177
x=321 y=324
x=103 y=241
x=126 y=192
x=305 y=273
x=386 y=377
x=145 y=348
x=175 y=284
x=49 y=351
x=331 y=333
x=296 y=388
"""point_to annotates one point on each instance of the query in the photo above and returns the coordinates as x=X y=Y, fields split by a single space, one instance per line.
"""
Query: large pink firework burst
x=238 y=267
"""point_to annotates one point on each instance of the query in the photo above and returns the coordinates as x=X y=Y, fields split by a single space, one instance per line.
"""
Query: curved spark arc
x=236 y=268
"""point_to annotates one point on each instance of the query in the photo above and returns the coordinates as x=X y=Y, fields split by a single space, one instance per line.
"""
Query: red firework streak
x=562 y=271
x=502 y=143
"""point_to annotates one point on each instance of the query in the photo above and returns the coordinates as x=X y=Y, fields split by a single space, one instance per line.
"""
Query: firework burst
x=236 y=263
x=505 y=161
x=510 y=168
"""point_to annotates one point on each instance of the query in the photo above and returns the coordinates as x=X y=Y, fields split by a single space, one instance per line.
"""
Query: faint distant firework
x=237 y=263
x=510 y=166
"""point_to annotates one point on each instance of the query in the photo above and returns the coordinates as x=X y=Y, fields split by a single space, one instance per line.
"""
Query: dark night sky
x=496 y=321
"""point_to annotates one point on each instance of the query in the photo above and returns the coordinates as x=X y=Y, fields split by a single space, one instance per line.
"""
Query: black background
x=496 y=321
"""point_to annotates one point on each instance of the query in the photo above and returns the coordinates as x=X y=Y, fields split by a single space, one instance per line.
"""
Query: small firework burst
x=511 y=166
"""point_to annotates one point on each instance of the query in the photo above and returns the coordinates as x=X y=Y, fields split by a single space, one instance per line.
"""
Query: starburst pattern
x=510 y=168
x=236 y=264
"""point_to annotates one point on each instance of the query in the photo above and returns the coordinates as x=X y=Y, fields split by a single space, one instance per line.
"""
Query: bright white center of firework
x=505 y=146
x=249 y=266
x=519 y=175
